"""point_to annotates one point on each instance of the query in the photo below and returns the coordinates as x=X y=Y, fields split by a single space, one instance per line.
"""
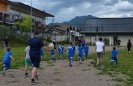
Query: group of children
x=82 y=50
x=71 y=50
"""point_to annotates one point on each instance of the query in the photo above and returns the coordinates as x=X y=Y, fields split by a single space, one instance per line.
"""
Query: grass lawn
x=125 y=67
x=18 y=54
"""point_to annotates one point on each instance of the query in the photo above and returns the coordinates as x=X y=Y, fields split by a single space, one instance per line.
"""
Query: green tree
x=4 y=30
x=25 y=24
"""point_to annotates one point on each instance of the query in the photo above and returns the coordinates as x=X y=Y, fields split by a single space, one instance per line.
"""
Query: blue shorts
x=6 y=65
x=113 y=59
x=35 y=61
x=80 y=55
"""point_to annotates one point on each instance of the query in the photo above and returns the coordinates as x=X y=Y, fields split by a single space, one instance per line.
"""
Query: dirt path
x=60 y=74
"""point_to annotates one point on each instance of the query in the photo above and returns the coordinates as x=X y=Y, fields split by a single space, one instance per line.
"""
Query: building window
x=3 y=6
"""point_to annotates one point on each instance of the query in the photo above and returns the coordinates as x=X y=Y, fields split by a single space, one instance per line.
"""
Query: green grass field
x=125 y=63
x=125 y=67
x=18 y=54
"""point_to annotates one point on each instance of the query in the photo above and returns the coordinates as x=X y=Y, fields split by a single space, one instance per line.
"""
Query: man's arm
x=104 y=49
x=45 y=48
x=95 y=47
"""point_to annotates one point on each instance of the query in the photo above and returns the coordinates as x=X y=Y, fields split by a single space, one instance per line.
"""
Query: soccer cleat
x=70 y=65
x=34 y=82
x=25 y=75
x=36 y=77
x=3 y=73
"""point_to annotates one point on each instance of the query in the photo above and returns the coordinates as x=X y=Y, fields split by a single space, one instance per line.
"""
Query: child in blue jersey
x=62 y=46
x=60 y=51
x=86 y=50
x=42 y=52
x=80 y=53
x=7 y=60
x=74 y=49
x=114 y=56
x=52 y=54
x=70 y=53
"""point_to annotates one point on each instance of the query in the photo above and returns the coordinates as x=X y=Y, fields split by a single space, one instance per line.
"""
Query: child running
x=42 y=52
x=114 y=56
x=70 y=53
x=74 y=49
x=60 y=50
x=80 y=53
x=7 y=60
x=27 y=61
x=86 y=50
x=62 y=46
x=52 y=54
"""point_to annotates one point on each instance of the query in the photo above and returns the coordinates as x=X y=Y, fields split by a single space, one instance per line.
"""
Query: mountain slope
x=76 y=22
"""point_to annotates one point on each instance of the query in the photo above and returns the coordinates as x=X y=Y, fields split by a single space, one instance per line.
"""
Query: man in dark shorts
x=54 y=42
x=118 y=42
x=6 y=43
x=35 y=45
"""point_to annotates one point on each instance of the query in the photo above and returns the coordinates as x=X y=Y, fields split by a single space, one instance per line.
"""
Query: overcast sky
x=65 y=10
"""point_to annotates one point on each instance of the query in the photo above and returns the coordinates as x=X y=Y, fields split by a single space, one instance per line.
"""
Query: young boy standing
x=42 y=52
x=114 y=56
x=52 y=54
x=62 y=46
x=7 y=60
x=27 y=61
x=60 y=50
x=80 y=53
x=86 y=50
x=70 y=53
x=74 y=49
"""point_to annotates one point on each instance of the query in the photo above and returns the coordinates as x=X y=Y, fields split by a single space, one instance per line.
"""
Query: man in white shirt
x=100 y=50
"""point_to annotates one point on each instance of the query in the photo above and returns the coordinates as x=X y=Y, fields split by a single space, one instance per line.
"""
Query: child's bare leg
x=26 y=69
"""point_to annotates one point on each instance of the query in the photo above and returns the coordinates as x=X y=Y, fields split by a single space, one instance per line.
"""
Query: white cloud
x=69 y=13
x=47 y=4
x=124 y=6
x=65 y=10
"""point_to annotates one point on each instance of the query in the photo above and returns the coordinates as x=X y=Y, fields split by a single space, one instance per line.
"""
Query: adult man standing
x=35 y=45
x=100 y=50
x=6 y=43
x=54 y=42
x=118 y=42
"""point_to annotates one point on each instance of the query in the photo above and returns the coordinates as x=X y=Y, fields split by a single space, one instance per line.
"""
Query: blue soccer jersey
x=114 y=53
x=52 y=52
x=80 y=50
x=73 y=46
x=60 y=50
x=86 y=49
x=7 y=58
x=42 y=52
x=70 y=51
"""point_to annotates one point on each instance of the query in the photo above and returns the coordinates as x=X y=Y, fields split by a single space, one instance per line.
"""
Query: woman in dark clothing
x=129 y=44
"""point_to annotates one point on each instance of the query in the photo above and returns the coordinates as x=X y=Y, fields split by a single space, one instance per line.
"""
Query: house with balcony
x=10 y=12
